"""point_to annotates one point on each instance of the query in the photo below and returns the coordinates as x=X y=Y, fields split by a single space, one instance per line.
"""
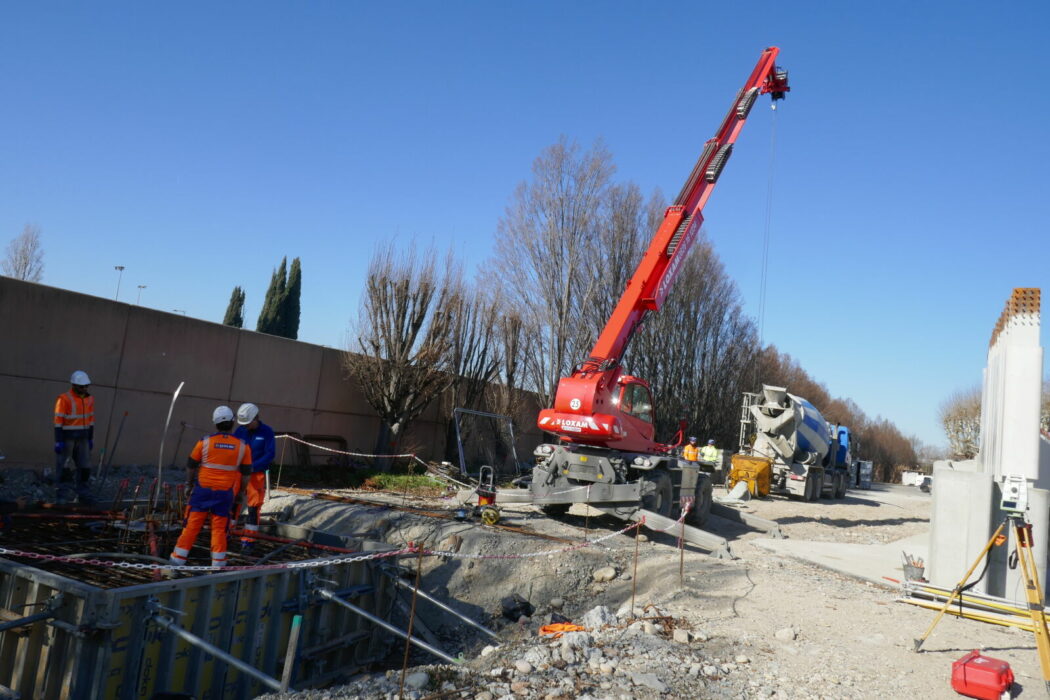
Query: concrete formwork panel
x=54 y=332
x=31 y=423
x=162 y=350
x=102 y=643
x=276 y=371
x=136 y=358
x=335 y=391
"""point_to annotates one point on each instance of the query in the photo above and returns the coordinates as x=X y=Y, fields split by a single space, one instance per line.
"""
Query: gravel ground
x=760 y=626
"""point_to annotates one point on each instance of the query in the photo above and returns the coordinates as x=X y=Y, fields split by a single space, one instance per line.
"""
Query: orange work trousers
x=255 y=495
x=194 y=523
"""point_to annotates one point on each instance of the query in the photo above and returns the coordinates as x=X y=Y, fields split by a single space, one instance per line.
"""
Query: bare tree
x=400 y=350
x=545 y=243
x=474 y=358
x=960 y=416
x=697 y=350
x=25 y=256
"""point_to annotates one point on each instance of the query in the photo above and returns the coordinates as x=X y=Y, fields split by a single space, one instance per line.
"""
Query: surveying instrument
x=1014 y=504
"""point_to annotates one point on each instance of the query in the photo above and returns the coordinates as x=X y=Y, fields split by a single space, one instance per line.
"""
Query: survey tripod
x=1033 y=591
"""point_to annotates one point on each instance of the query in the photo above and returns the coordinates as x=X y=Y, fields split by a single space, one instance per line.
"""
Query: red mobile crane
x=607 y=454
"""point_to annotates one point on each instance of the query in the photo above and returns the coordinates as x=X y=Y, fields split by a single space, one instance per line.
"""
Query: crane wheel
x=656 y=492
x=489 y=515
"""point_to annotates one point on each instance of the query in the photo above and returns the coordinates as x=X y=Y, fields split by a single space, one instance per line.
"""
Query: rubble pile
x=618 y=657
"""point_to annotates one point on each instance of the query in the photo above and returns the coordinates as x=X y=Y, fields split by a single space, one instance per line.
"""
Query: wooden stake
x=634 y=576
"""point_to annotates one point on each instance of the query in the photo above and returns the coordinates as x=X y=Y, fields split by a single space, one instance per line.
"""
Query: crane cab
x=634 y=399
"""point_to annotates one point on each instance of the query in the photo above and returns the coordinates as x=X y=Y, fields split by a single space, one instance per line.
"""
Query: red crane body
x=599 y=404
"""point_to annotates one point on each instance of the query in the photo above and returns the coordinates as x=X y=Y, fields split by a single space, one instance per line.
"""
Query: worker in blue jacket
x=258 y=436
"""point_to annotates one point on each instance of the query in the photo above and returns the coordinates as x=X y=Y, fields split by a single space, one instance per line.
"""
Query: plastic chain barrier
x=427 y=467
x=681 y=519
x=433 y=472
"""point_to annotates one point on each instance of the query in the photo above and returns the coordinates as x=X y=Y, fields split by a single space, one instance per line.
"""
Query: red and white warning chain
x=314 y=563
x=335 y=561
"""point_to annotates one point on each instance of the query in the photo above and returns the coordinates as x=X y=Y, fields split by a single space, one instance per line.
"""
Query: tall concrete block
x=960 y=524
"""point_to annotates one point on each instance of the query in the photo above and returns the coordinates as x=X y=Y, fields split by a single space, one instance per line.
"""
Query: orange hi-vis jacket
x=221 y=457
x=691 y=453
x=74 y=412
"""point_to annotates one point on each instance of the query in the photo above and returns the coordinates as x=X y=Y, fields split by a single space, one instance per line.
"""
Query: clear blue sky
x=197 y=143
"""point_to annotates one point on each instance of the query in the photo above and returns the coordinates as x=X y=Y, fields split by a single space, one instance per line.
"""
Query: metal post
x=28 y=620
x=393 y=577
x=169 y=624
x=120 y=274
x=53 y=604
x=328 y=595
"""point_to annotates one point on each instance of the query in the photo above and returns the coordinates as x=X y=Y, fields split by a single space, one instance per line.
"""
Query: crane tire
x=656 y=492
x=702 y=505
x=555 y=510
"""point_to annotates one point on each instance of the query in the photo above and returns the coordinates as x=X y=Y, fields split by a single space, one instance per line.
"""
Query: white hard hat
x=222 y=414
x=247 y=413
x=80 y=378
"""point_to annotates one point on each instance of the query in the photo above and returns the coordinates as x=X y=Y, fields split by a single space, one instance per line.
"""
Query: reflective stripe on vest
x=74 y=420
x=221 y=467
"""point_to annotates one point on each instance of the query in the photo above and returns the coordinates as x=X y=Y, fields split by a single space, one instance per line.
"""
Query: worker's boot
x=84 y=495
x=64 y=491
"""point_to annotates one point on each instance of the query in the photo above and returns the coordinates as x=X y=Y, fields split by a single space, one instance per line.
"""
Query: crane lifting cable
x=767 y=226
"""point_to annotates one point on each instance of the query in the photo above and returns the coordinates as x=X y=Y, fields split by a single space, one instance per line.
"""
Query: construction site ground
x=810 y=616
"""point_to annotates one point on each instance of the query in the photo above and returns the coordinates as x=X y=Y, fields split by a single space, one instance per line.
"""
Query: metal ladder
x=745 y=421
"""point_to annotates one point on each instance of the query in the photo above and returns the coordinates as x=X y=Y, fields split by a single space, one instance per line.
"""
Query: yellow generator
x=755 y=471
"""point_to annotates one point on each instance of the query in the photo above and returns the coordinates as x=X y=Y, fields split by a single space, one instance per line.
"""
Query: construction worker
x=709 y=453
x=258 y=436
x=691 y=452
x=217 y=470
x=74 y=437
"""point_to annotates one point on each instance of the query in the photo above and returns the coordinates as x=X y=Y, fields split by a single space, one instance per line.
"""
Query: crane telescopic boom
x=598 y=404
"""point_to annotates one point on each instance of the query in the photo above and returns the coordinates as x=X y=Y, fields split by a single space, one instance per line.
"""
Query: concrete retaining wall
x=136 y=357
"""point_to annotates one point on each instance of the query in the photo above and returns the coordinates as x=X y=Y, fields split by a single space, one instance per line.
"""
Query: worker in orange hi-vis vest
x=691 y=452
x=74 y=437
x=217 y=470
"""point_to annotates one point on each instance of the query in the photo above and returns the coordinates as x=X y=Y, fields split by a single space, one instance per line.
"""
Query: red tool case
x=978 y=676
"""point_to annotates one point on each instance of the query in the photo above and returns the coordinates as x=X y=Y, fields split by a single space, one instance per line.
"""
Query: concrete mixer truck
x=806 y=456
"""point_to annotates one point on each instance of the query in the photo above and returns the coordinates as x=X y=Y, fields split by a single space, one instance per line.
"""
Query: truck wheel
x=812 y=490
x=656 y=492
x=840 y=490
x=555 y=510
x=702 y=506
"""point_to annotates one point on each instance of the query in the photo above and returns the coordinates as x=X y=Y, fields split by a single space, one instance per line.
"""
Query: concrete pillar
x=960 y=523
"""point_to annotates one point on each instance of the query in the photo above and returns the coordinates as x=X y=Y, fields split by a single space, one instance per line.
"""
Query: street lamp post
x=139 y=297
x=120 y=273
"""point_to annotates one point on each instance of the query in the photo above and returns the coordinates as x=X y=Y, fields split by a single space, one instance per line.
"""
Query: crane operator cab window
x=635 y=400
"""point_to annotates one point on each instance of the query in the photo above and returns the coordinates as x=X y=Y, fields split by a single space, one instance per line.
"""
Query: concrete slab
x=866 y=562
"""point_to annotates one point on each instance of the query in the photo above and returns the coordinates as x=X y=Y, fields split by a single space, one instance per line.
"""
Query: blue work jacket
x=262 y=442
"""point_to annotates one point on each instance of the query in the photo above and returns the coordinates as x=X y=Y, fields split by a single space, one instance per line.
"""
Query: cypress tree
x=271 y=317
x=235 y=309
x=291 y=301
